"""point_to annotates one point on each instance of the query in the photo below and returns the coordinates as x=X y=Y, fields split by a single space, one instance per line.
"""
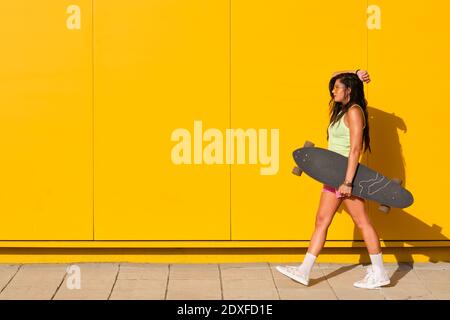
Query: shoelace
x=371 y=277
x=369 y=273
x=296 y=271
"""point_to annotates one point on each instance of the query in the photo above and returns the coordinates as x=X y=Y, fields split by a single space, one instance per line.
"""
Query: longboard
x=329 y=167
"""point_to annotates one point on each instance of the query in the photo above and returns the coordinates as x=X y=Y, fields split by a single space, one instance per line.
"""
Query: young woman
x=348 y=134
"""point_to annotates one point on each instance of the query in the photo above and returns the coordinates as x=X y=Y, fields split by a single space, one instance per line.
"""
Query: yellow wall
x=96 y=94
x=158 y=65
x=46 y=190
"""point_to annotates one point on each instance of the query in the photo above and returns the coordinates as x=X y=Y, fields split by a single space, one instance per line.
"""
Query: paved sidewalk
x=229 y=281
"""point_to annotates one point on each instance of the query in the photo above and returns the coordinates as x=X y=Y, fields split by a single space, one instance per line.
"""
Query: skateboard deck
x=330 y=168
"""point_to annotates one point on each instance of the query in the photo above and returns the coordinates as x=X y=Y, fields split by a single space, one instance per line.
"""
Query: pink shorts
x=327 y=188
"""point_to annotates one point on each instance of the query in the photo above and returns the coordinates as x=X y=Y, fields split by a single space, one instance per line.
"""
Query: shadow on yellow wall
x=387 y=157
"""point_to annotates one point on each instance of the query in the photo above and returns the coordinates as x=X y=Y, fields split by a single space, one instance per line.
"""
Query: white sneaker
x=373 y=280
x=294 y=273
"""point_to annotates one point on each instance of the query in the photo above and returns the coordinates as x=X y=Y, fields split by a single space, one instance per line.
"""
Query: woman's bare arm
x=363 y=75
x=356 y=123
x=345 y=71
x=356 y=126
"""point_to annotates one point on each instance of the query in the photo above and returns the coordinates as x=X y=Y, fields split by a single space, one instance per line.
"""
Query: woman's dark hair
x=337 y=109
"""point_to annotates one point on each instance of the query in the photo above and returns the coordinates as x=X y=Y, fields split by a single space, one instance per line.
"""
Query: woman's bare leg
x=327 y=208
x=357 y=211
x=356 y=208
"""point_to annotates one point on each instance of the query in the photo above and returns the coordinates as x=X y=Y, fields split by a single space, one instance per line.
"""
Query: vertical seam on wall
x=367 y=52
x=229 y=145
x=93 y=92
x=367 y=62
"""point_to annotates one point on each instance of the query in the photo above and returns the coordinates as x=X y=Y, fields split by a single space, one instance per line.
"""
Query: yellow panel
x=283 y=55
x=45 y=121
x=409 y=63
x=159 y=66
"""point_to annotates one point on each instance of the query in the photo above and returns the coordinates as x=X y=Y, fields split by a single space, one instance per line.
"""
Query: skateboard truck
x=297 y=171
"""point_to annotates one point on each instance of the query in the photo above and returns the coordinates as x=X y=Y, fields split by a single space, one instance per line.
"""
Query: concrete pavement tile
x=93 y=286
x=344 y=272
x=253 y=284
x=199 y=272
x=139 y=290
x=97 y=267
x=143 y=271
x=8 y=267
x=308 y=294
x=286 y=283
x=95 y=290
x=246 y=273
x=6 y=274
x=143 y=266
x=250 y=293
x=35 y=279
x=434 y=275
x=28 y=293
x=406 y=296
x=407 y=280
x=44 y=266
x=441 y=296
x=257 y=265
x=437 y=286
x=82 y=295
x=249 y=289
x=432 y=266
x=100 y=267
x=193 y=289
x=190 y=295
x=400 y=277
x=29 y=273
x=143 y=275
x=402 y=266
x=358 y=294
x=156 y=285
x=343 y=279
x=345 y=283
x=406 y=291
x=138 y=294
x=99 y=276
x=194 y=266
x=30 y=280
x=194 y=284
x=98 y=272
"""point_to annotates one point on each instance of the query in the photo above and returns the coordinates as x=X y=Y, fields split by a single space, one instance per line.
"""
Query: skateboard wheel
x=297 y=171
x=308 y=144
x=384 y=209
x=398 y=181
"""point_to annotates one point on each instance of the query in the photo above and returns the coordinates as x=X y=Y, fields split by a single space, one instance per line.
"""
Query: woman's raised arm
x=363 y=75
